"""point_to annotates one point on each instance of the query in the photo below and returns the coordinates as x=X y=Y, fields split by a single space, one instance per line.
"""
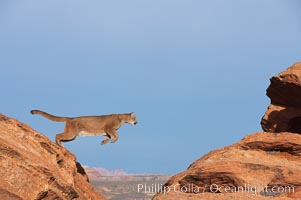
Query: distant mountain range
x=100 y=171
x=95 y=172
x=120 y=185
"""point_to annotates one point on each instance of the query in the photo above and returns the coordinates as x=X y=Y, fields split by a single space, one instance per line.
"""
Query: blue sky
x=194 y=72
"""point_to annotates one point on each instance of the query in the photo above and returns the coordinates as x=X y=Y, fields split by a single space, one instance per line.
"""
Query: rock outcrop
x=261 y=166
x=284 y=112
x=264 y=165
x=33 y=167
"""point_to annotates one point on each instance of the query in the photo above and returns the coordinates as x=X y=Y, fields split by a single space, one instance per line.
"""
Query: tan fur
x=106 y=125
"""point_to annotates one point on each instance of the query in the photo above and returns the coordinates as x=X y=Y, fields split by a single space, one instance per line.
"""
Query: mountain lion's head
x=131 y=119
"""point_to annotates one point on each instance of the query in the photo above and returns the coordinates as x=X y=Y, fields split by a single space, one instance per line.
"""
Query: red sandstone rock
x=284 y=112
x=33 y=167
x=249 y=169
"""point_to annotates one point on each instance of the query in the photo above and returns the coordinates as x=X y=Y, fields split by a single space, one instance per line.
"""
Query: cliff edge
x=262 y=166
x=33 y=167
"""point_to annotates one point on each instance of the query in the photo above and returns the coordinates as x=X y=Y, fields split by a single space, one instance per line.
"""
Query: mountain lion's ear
x=132 y=114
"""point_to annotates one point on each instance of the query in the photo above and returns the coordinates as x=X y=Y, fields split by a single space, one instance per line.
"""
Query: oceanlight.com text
x=214 y=188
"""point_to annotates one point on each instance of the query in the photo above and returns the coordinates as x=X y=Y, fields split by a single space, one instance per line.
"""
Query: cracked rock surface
x=260 y=166
x=33 y=167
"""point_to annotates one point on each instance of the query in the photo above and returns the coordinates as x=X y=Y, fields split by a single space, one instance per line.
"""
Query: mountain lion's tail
x=50 y=117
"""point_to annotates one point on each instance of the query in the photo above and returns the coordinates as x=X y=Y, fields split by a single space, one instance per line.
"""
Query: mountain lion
x=90 y=125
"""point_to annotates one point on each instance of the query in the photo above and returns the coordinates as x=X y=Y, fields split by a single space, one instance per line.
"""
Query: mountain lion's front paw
x=104 y=142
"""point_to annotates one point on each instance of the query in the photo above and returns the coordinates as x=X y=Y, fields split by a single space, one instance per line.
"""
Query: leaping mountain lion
x=106 y=125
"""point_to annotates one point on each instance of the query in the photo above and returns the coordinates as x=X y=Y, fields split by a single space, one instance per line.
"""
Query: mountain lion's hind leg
x=58 y=138
x=106 y=140
x=69 y=133
x=63 y=137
